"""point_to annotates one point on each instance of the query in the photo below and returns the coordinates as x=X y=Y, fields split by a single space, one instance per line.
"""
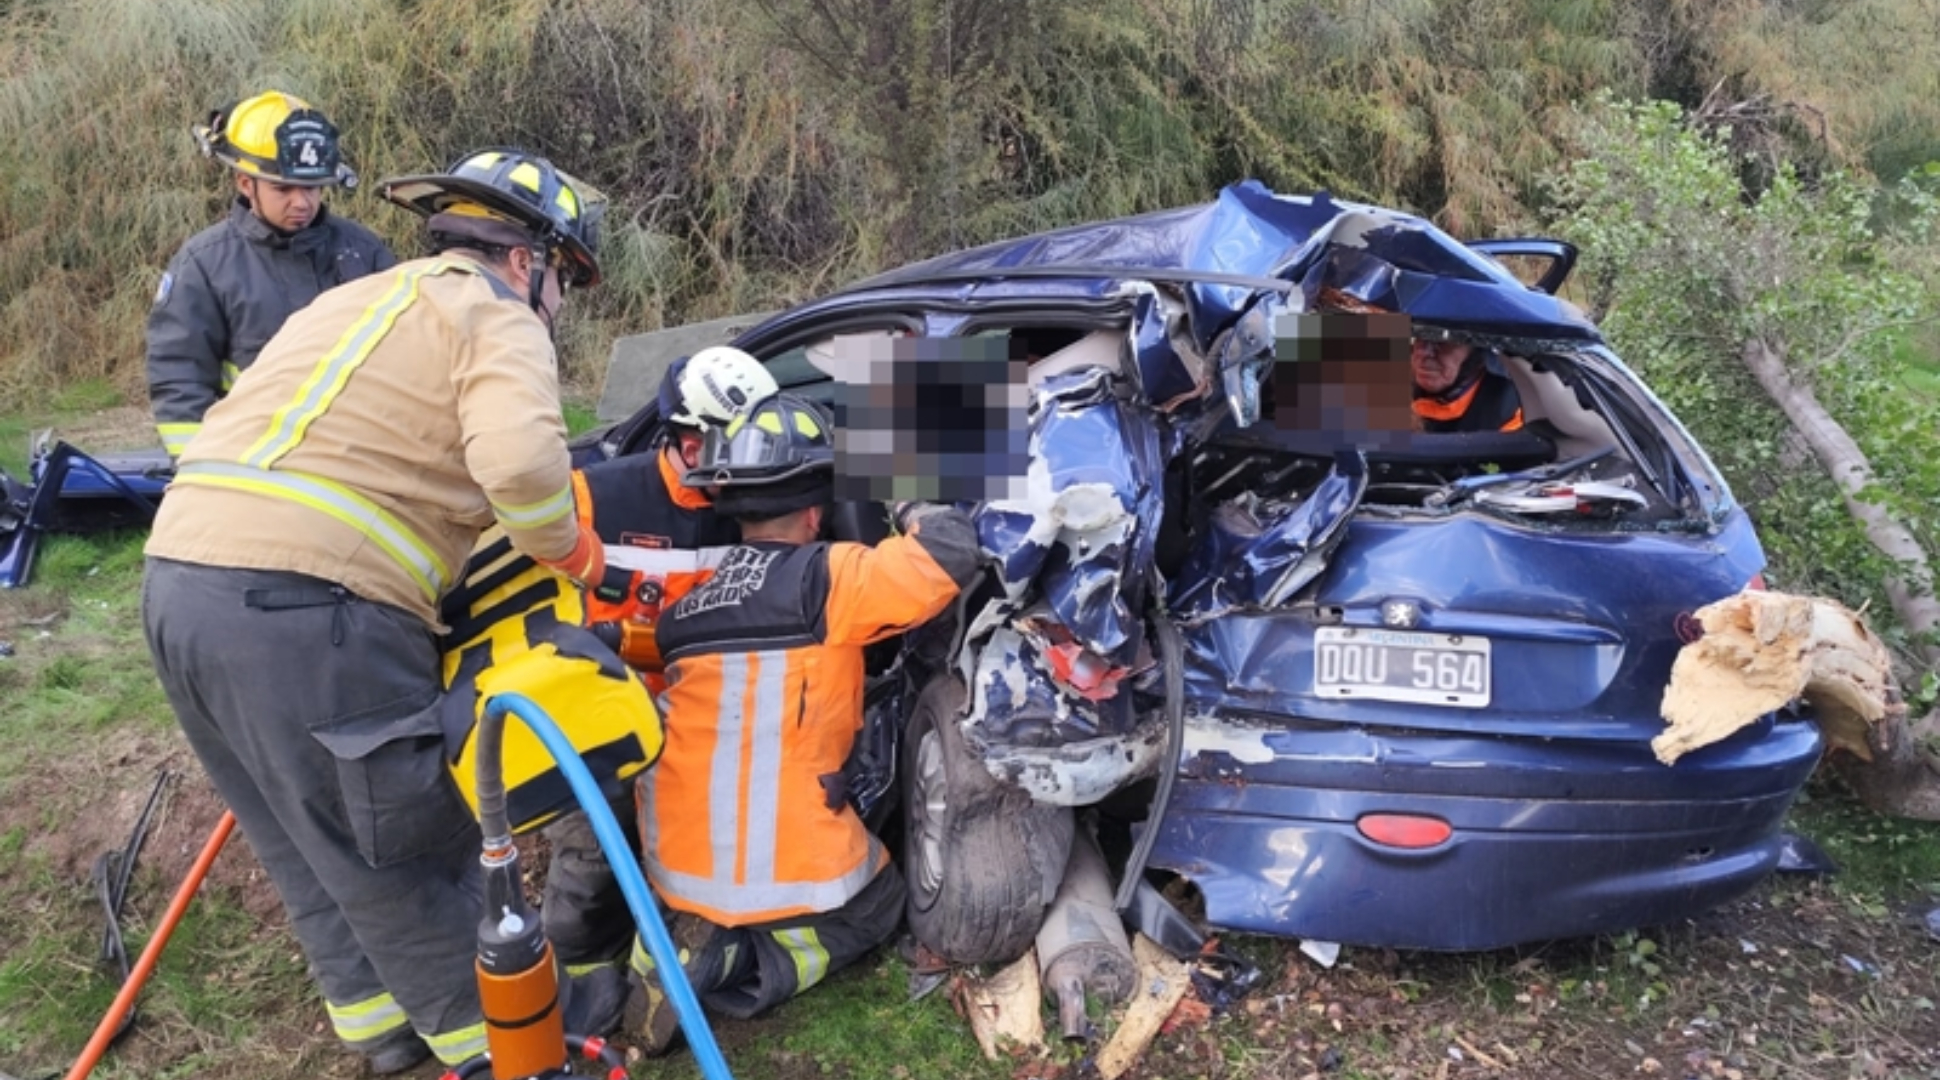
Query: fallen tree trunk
x=1901 y=776
x=1910 y=588
x=1763 y=650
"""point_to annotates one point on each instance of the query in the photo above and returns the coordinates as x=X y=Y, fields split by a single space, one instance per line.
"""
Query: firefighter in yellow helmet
x=296 y=569
x=229 y=288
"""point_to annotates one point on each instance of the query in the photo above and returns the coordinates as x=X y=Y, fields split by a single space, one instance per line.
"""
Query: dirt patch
x=96 y=799
x=1791 y=982
x=107 y=431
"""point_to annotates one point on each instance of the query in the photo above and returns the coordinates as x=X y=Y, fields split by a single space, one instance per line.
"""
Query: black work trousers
x=315 y=714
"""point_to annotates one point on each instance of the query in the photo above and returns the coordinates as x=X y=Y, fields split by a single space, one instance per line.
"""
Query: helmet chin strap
x=535 y=287
x=535 y=282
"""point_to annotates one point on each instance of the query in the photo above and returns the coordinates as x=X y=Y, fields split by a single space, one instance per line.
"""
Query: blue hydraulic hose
x=673 y=977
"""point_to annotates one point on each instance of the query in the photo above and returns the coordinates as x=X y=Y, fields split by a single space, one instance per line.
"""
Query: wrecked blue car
x=1351 y=680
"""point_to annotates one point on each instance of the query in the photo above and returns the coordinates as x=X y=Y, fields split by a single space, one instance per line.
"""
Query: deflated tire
x=983 y=860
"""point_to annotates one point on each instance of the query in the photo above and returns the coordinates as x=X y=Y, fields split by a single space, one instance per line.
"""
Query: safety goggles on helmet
x=782 y=437
x=277 y=137
x=484 y=192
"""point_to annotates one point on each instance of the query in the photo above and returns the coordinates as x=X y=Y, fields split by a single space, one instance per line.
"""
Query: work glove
x=585 y=563
x=909 y=512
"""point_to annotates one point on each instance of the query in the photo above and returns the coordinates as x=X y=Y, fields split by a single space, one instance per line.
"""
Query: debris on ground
x=1802 y=855
x=1324 y=953
x=1762 y=650
x=1162 y=983
x=1220 y=979
x=927 y=969
x=1005 y=1010
x=1082 y=942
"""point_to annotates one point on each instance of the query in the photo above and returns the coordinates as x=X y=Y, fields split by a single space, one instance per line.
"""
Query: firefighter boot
x=712 y=957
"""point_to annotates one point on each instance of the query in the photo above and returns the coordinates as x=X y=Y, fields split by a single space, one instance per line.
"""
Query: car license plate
x=1401 y=665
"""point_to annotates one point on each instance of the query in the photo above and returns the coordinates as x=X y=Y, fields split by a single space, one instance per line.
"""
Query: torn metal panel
x=1083 y=533
x=1015 y=700
x=1080 y=773
x=1256 y=553
x=1056 y=746
x=1171 y=368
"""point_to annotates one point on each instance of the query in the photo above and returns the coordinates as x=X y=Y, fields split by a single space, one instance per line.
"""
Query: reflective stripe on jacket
x=662 y=539
x=744 y=819
x=227 y=291
x=383 y=428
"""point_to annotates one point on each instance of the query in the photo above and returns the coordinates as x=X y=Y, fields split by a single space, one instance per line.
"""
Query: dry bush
x=758 y=152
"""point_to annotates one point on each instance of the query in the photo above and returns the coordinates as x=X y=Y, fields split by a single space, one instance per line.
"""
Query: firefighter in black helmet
x=297 y=568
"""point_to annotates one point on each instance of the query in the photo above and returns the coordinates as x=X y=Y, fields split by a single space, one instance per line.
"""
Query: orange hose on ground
x=152 y=952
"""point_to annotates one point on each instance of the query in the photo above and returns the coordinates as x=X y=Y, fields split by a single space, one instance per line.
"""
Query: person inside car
x=1461 y=388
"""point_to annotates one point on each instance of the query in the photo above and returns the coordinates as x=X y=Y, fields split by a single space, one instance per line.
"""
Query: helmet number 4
x=307 y=153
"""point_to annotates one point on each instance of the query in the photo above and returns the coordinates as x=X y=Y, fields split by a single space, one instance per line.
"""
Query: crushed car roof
x=1397 y=261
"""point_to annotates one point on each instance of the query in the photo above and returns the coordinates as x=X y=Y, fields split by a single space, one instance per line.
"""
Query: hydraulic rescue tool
x=518 y=980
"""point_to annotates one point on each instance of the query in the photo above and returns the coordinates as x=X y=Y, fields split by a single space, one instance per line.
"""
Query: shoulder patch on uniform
x=162 y=290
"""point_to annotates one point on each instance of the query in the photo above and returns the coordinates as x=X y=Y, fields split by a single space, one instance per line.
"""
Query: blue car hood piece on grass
x=69 y=491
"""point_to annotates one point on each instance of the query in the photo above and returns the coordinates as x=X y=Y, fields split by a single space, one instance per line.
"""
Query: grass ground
x=1919 y=350
x=1827 y=977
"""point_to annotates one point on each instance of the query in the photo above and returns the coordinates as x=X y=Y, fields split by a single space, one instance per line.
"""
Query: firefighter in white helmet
x=663 y=538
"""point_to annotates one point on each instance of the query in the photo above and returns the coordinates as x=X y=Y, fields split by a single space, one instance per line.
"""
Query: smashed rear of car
x=1422 y=682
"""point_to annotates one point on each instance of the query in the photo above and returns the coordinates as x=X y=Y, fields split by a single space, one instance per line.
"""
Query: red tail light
x=1404 y=830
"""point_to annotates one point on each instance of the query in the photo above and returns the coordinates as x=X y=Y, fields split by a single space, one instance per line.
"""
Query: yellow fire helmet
x=278 y=137
x=518 y=627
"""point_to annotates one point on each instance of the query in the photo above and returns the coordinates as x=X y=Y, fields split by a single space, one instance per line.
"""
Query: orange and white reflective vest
x=743 y=818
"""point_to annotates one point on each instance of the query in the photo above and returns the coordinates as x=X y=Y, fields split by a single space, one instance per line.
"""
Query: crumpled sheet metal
x=1060 y=749
x=1171 y=370
x=1084 y=532
x=1253 y=555
x=1249 y=229
x=1015 y=701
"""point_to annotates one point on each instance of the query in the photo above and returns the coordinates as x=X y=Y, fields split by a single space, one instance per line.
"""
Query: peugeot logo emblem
x=1400 y=614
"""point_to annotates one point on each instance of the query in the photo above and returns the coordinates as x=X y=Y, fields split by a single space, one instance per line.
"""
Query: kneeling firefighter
x=661 y=538
x=749 y=834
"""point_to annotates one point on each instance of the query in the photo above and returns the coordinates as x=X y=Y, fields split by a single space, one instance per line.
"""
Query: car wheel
x=982 y=858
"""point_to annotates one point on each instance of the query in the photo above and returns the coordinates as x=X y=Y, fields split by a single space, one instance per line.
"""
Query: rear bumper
x=1551 y=839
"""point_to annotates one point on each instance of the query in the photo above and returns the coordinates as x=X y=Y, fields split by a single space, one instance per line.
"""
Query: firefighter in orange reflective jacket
x=1461 y=388
x=661 y=538
x=748 y=832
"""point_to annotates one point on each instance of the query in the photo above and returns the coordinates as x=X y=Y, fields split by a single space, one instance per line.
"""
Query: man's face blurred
x=285 y=207
x=1437 y=364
